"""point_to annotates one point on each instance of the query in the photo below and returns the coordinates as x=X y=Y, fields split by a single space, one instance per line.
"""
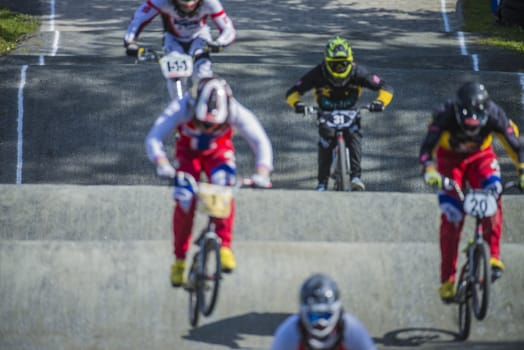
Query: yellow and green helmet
x=338 y=59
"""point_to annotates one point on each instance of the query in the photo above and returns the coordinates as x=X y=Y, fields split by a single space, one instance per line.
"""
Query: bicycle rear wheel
x=481 y=281
x=463 y=299
x=342 y=171
x=193 y=286
x=210 y=277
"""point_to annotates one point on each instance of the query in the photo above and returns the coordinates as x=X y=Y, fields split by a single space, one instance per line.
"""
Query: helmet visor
x=473 y=118
x=317 y=317
x=339 y=66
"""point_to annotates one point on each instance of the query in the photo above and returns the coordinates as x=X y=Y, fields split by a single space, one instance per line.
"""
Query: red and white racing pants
x=219 y=167
x=480 y=170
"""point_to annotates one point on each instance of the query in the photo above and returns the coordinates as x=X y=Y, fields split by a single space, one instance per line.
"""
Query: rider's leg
x=202 y=67
x=326 y=143
x=184 y=211
x=183 y=217
x=451 y=223
x=484 y=172
x=220 y=168
x=354 y=142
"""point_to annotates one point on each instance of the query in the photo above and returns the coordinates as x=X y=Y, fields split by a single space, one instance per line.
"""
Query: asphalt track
x=85 y=243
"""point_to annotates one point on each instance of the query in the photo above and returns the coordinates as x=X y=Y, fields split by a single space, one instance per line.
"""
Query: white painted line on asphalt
x=475 y=59
x=52 y=15
x=462 y=44
x=20 y=126
x=444 y=15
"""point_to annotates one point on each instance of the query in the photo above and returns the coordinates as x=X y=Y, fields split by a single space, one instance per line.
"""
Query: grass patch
x=13 y=28
x=478 y=18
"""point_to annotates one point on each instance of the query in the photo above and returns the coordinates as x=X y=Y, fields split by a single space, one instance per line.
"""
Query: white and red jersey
x=184 y=29
x=177 y=117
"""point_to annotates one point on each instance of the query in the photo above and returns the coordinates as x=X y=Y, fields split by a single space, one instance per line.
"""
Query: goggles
x=315 y=317
x=339 y=66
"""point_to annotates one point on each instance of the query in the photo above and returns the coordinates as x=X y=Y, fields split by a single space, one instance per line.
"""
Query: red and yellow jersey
x=445 y=132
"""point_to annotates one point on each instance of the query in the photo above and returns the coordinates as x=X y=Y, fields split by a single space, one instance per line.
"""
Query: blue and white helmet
x=320 y=311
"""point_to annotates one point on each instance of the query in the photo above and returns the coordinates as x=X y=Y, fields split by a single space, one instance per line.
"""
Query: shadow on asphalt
x=434 y=338
x=228 y=331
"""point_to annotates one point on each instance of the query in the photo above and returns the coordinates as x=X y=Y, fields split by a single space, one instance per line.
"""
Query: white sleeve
x=248 y=126
x=143 y=15
x=223 y=23
x=287 y=335
x=174 y=115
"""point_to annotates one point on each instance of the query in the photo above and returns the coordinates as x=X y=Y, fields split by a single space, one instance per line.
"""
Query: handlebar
x=449 y=184
x=314 y=110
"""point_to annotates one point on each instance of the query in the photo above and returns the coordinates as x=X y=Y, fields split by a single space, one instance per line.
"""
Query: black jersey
x=330 y=97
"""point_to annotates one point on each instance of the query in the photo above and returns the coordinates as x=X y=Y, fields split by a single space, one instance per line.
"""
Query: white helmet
x=212 y=104
x=186 y=7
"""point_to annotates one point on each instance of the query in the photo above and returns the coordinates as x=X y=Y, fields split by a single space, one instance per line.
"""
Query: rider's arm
x=356 y=336
x=308 y=82
x=374 y=82
x=436 y=127
x=249 y=127
x=508 y=133
x=175 y=114
x=142 y=17
x=223 y=23
x=287 y=335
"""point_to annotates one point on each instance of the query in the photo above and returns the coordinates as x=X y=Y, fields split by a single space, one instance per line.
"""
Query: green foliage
x=13 y=28
x=478 y=18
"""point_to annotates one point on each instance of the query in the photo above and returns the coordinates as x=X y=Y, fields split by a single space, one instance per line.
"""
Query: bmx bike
x=176 y=67
x=475 y=278
x=342 y=122
x=205 y=272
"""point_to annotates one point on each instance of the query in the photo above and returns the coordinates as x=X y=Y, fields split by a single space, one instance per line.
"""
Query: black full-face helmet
x=320 y=311
x=471 y=107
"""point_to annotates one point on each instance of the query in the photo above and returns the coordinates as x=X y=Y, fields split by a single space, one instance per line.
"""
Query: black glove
x=131 y=49
x=376 y=106
x=214 y=47
x=300 y=107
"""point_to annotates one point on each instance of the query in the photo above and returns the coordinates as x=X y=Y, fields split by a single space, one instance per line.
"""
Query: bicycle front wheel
x=210 y=276
x=481 y=280
x=193 y=285
x=464 y=299
x=342 y=165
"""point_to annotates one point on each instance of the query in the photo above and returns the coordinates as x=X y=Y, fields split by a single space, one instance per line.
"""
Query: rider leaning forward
x=205 y=127
x=459 y=140
x=185 y=29
x=321 y=323
x=337 y=83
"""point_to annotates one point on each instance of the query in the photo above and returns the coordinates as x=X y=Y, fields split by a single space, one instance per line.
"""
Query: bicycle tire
x=340 y=184
x=481 y=282
x=193 y=287
x=211 y=274
x=464 y=300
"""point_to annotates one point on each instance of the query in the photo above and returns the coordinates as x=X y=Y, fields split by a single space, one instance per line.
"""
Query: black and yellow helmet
x=338 y=60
